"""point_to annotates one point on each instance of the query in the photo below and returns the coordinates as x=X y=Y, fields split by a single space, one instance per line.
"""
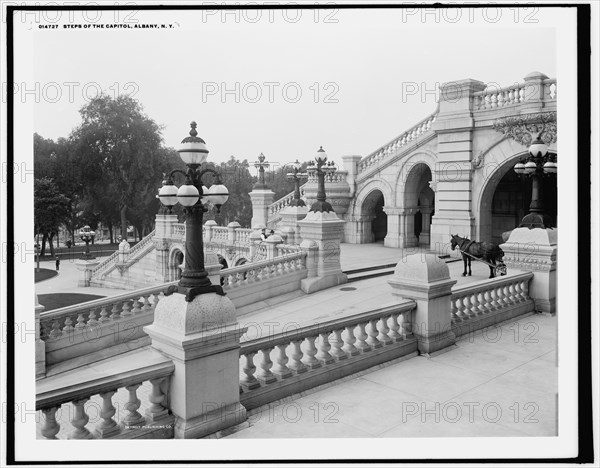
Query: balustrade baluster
x=296 y=363
x=134 y=418
x=481 y=309
x=466 y=301
x=80 y=321
x=248 y=380
x=454 y=311
x=487 y=301
x=406 y=323
x=115 y=312
x=384 y=330
x=147 y=305
x=372 y=332
x=394 y=327
x=324 y=347
x=79 y=420
x=264 y=373
x=92 y=322
x=107 y=426
x=311 y=350
x=494 y=299
x=337 y=345
x=508 y=296
x=280 y=367
x=50 y=427
x=126 y=309
x=103 y=315
x=157 y=397
x=56 y=331
x=500 y=296
x=473 y=305
x=349 y=347
x=68 y=325
x=137 y=307
x=361 y=338
x=521 y=291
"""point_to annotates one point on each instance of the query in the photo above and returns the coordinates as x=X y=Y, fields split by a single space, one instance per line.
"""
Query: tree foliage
x=51 y=209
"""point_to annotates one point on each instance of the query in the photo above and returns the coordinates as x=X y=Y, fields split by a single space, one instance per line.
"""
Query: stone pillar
x=312 y=253
x=231 y=228
x=208 y=226
x=40 y=346
x=261 y=199
x=410 y=240
x=85 y=267
x=394 y=218
x=271 y=243
x=254 y=239
x=213 y=267
x=290 y=216
x=202 y=338
x=454 y=128
x=424 y=238
x=325 y=229
x=351 y=165
x=535 y=250
x=534 y=92
x=426 y=280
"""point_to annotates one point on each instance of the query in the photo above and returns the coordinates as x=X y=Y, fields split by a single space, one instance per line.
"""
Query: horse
x=487 y=251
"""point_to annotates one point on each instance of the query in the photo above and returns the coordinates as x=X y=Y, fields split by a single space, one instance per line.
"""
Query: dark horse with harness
x=488 y=252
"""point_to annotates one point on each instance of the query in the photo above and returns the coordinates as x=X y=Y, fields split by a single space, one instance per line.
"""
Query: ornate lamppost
x=195 y=199
x=322 y=167
x=296 y=175
x=539 y=164
x=87 y=235
x=261 y=164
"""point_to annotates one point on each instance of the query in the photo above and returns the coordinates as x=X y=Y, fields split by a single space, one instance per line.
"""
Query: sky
x=281 y=82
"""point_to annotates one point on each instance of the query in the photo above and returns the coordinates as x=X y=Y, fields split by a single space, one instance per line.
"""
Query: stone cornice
x=524 y=128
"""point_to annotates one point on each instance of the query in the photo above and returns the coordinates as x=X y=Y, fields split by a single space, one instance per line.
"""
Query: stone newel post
x=261 y=199
x=426 y=280
x=535 y=250
x=202 y=338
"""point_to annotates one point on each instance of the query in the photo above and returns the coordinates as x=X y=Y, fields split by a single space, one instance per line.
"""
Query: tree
x=51 y=208
x=117 y=145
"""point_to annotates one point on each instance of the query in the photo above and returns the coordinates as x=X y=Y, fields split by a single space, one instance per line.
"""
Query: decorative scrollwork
x=524 y=128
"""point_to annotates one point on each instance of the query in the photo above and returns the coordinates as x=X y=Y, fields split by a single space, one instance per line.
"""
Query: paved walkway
x=501 y=382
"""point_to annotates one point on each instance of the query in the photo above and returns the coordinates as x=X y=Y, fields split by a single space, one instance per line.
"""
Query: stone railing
x=330 y=177
x=280 y=365
x=494 y=98
x=99 y=393
x=219 y=234
x=250 y=273
x=242 y=235
x=286 y=249
x=103 y=267
x=423 y=127
x=277 y=206
x=108 y=310
x=488 y=302
x=261 y=252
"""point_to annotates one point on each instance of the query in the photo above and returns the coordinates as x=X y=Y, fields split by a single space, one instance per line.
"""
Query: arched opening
x=372 y=209
x=419 y=207
x=241 y=261
x=506 y=200
x=222 y=261
x=176 y=264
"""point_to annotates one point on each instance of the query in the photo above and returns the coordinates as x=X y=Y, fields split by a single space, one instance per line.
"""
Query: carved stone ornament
x=524 y=128
x=433 y=185
x=477 y=161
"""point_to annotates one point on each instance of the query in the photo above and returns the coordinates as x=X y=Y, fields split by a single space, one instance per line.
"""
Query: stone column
x=392 y=239
x=271 y=243
x=290 y=216
x=454 y=128
x=535 y=250
x=351 y=165
x=261 y=199
x=40 y=346
x=85 y=267
x=424 y=238
x=231 y=228
x=325 y=229
x=426 y=280
x=208 y=226
x=202 y=338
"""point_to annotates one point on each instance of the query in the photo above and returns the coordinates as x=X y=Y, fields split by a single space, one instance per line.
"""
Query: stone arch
x=496 y=162
x=367 y=221
x=407 y=167
x=365 y=191
x=241 y=261
x=175 y=262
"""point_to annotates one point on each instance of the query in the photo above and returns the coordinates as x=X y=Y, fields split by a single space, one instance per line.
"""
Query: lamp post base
x=536 y=220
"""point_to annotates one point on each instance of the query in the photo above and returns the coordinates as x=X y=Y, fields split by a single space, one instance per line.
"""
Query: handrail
x=487 y=284
x=109 y=261
x=262 y=263
x=400 y=141
x=57 y=313
x=103 y=384
x=256 y=345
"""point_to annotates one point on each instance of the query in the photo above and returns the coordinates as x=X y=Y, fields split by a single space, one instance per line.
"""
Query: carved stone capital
x=524 y=128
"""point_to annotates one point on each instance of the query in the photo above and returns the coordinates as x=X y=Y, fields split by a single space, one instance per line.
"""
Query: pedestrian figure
x=57 y=263
x=271 y=233
x=263 y=234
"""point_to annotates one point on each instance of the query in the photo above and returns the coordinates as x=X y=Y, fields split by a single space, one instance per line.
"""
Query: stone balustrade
x=99 y=393
x=250 y=273
x=482 y=304
x=518 y=93
x=285 y=249
x=277 y=366
x=109 y=263
x=423 y=127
